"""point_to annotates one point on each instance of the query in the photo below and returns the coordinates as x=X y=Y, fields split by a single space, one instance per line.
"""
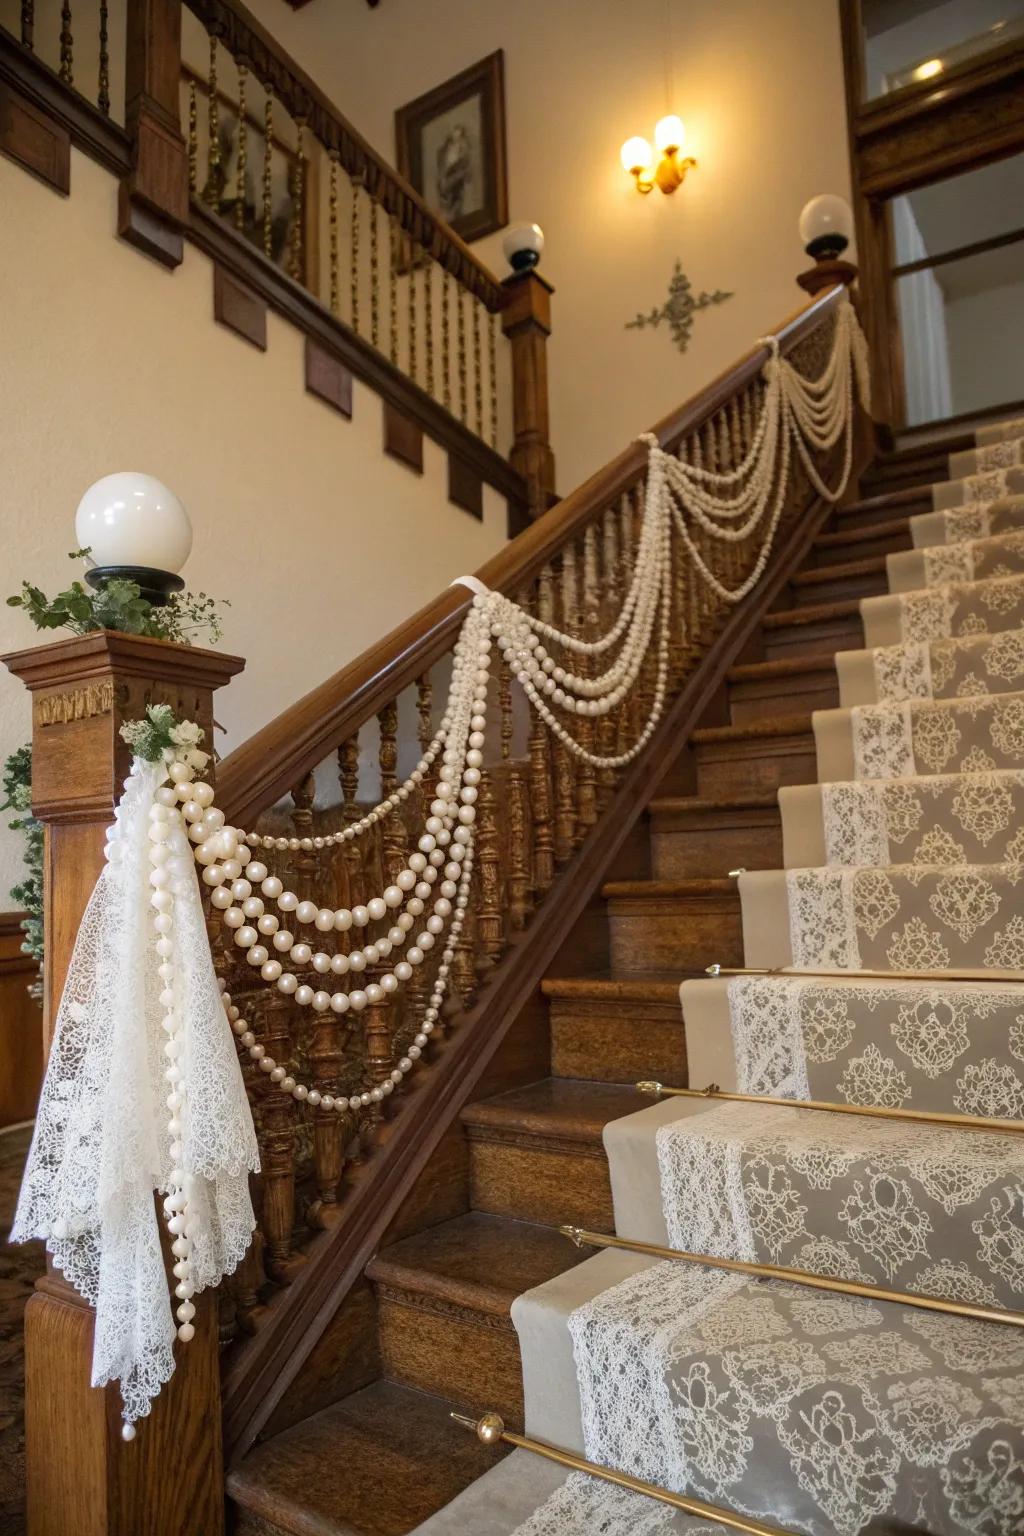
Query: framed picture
x=450 y=144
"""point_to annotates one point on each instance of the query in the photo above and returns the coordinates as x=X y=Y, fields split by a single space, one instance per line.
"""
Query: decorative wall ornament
x=679 y=308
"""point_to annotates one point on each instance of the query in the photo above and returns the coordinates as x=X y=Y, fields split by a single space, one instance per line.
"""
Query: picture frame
x=450 y=145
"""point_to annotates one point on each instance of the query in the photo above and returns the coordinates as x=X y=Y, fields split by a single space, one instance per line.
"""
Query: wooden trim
x=286 y=297
x=238 y=308
x=465 y=487
x=961 y=253
x=88 y=129
x=265 y=767
x=403 y=438
x=328 y=378
x=921 y=99
x=267 y=1364
x=31 y=138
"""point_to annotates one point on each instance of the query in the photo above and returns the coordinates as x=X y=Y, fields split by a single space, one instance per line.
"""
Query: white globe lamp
x=134 y=528
x=826 y=226
x=522 y=246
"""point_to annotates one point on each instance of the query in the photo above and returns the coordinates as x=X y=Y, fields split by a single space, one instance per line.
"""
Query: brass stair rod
x=490 y=1430
x=986 y=978
x=875 y=1111
x=584 y=1239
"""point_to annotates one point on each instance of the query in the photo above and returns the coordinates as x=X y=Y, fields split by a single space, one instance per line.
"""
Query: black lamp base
x=155 y=586
x=827 y=247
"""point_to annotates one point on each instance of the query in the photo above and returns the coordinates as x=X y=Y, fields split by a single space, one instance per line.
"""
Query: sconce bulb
x=669 y=134
x=826 y=225
x=636 y=155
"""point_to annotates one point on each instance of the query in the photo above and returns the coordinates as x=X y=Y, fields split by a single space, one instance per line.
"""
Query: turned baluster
x=28 y=24
x=543 y=861
x=67 y=46
x=416 y=989
x=564 y=762
x=272 y=1015
x=517 y=881
x=379 y=1020
x=488 y=861
x=586 y=728
x=610 y=598
x=628 y=713
x=351 y=856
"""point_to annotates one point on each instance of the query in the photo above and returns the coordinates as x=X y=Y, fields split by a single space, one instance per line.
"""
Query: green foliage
x=120 y=605
x=28 y=893
x=160 y=734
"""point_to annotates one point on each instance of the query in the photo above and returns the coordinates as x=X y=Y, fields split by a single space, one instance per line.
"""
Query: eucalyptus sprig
x=119 y=604
x=160 y=734
x=27 y=893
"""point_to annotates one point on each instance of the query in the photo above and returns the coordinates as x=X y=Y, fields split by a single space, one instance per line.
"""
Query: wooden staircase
x=528 y=1154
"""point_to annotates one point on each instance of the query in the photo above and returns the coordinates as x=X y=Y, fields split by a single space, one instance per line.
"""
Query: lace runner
x=583 y=1506
x=906 y=918
x=973 y=735
x=820 y=1413
x=1004 y=455
x=981 y=519
x=961 y=608
x=890 y=1205
x=957 y=668
x=951 y=1046
x=101 y=1147
x=956 y=818
x=1002 y=555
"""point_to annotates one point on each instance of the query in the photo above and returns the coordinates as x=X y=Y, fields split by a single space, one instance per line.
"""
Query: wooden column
x=153 y=198
x=83 y=1480
x=526 y=321
x=827 y=272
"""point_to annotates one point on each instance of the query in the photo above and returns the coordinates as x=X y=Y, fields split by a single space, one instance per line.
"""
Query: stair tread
x=696 y=886
x=376 y=1463
x=652 y=986
x=780 y=725
x=871 y=565
x=477 y=1260
x=783 y=666
x=677 y=805
x=838 y=537
x=906 y=496
x=818 y=613
x=565 y=1107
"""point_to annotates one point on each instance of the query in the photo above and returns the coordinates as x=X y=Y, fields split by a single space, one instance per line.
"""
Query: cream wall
x=107 y=361
x=760 y=88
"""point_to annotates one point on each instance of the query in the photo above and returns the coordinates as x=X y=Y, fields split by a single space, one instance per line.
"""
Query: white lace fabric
x=956 y=668
x=584 y=1506
x=956 y=818
x=999 y=555
x=101 y=1149
x=924 y=736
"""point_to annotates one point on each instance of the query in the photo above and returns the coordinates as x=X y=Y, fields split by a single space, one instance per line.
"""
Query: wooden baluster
x=379 y=1019
x=541 y=798
x=67 y=46
x=517 y=808
x=212 y=189
x=297 y=187
x=353 y=274
x=193 y=137
x=492 y=375
x=28 y=25
x=487 y=873
x=332 y=217
x=348 y=778
x=272 y=1017
x=374 y=274
x=446 y=340
x=565 y=763
x=586 y=725
x=460 y=320
x=246 y=1284
x=393 y=237
x=478 y=370
x=243 y=148
x=613 y=594
x=628 y=712
x=103 y=85
x=393 y=838
x=428 y=320
x=416 y=988
x=413 y=359
x=268 y=173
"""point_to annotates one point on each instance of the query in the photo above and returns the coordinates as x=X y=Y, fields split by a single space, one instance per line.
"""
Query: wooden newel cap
x=829 y=272
x=83 y=690
x=527 y=302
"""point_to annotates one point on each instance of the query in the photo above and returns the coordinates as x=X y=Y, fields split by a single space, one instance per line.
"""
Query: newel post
x=526 y=321
x=153 y=197
x=82 y=1479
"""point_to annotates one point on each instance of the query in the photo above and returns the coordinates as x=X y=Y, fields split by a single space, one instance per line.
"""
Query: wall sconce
x=670 y=170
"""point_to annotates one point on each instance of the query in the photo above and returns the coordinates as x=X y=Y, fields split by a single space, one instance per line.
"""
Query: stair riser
x=813 y=639
x=452 y=1355
x=834 y=591
x=870 y=518
x=531 y=1179
x=682 y=933
x=879 y=544
x=773 y=697
x=752 y=766
x=704 y=850
x=620 y=1044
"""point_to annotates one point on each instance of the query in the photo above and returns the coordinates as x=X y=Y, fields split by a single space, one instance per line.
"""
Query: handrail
x=264 y=768
x=246 y=38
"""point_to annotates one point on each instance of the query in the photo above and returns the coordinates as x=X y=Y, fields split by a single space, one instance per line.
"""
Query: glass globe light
x=134 y=526
x=522 y=246
x=669 y=134
x=636 y=155
x=826 y=226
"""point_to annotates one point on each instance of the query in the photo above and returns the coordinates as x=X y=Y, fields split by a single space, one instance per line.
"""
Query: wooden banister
x=263 y=769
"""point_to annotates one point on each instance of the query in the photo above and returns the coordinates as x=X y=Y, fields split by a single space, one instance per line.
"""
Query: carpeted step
x=932 y=669
x=444 y=1298
x=832 y=583
x=665 y=924
x=943 y=612
x=999 y=431
x=536 y=1152
x=616 y=1029
x=992 y=485
x=950 y=819
x=893 y=918
x=921 y=736
x=970 y=560
x=692 y=836
x=754 y=758
x=936 y=1045
x=814 y=630
x=975 y=520
x=1003 y=453
x=764 y=690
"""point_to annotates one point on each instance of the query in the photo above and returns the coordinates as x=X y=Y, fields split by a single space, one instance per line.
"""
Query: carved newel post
x=83 y=1480
x=526 y=321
